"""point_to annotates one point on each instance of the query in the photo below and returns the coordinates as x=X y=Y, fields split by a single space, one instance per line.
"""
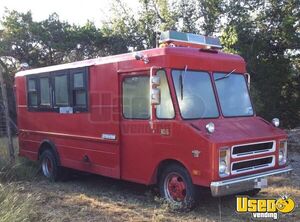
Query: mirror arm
x=248 y=79
x=150 y=94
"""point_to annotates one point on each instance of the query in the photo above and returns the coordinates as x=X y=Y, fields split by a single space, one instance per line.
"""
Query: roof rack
x=181 y=39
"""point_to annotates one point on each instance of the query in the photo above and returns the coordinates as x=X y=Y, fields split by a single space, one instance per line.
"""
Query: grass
x=27 y=196
x=15 y=204
x=22 y=169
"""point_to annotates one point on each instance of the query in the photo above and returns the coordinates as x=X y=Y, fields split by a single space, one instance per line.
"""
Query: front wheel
x=176 y=187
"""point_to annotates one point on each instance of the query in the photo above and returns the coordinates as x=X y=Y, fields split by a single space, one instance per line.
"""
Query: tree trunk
x=10 y=146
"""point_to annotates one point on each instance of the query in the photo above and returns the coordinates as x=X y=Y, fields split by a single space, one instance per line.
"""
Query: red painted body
x=137 y=152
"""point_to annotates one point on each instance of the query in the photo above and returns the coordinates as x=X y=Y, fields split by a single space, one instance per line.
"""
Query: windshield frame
x=218 y=98
x=213 y=88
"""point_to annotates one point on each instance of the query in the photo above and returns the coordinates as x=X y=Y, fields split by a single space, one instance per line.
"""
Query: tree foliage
x=266 y=33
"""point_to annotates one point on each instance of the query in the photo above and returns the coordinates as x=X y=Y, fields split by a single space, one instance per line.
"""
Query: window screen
x=45 y=91
x=61 y=90
x=136 y=101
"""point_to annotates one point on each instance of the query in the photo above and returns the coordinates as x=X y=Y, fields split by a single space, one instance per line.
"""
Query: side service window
x=64 y=88
x=136 y=99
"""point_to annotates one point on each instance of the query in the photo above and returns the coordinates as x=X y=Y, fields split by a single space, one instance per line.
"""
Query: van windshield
x=195 y=94
x=233 y=94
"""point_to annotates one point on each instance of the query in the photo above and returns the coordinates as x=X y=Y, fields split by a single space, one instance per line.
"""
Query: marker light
x=280 y=156
x=222 y=167
x=24 y=66
x=210 y=127
x=224 y=162
x=282 y=152
x=140 y=56
x=275 y=122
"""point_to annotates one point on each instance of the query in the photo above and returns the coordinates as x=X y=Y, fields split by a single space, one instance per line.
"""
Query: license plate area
x=260 y=183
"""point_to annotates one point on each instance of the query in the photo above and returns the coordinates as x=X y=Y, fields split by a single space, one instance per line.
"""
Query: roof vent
x=181 y=39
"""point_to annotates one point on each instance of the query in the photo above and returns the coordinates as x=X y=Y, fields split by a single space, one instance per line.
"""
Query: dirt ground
x=96 y=198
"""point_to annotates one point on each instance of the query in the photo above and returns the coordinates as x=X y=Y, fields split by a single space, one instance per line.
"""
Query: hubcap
x=47 y=167
x=175 y=187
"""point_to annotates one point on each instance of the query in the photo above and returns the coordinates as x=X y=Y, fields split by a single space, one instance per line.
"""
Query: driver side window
x=165 y=110
x=136 y=100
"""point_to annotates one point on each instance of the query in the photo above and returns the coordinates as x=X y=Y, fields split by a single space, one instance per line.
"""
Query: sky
x=73 y=11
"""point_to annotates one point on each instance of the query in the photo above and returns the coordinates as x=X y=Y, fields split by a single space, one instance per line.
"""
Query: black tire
x=176 y=187
x=49 y=166
x=251 y=193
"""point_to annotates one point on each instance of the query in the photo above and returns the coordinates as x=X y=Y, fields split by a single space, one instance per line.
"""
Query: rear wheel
x=49 y=165
x=176 y=187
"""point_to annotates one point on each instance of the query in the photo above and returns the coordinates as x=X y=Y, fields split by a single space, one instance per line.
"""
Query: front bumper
x=244 y=183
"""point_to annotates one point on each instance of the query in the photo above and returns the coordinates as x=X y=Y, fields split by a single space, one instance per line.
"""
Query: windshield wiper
x=181 y=82
x=227 y=75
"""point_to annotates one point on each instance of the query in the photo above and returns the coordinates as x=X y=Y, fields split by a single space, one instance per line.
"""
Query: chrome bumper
x=244 y=183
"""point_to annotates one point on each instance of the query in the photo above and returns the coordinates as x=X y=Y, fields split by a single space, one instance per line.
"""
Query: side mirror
x=155 y=96
x=155 y=92
x=155 y=81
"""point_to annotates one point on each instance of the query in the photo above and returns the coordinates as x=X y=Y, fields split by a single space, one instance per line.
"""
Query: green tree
x=265 y=33
x=17 y=43
x=211 y=11
x=139 y=30
x=267 y=36
x=187 y=16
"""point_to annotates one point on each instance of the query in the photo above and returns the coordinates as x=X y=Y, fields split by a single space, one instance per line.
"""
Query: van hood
x=239 y=129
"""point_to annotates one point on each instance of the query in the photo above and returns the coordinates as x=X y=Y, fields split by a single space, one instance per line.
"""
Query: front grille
x=253 y=148
x=254 y=164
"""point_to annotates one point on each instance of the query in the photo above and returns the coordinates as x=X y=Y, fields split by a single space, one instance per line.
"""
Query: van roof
x=178 y=51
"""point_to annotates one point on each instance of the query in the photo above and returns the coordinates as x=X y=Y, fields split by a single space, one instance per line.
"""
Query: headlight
x=222 y=167
x=282 y=152
x=224 y=162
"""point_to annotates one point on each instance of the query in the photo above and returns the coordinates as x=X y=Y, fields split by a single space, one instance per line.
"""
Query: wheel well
x=164 y=164
x=48 y=145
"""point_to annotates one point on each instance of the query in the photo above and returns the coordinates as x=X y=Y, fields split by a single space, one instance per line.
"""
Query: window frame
x=145 y=74
x=51 y=77
x=73 y=89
